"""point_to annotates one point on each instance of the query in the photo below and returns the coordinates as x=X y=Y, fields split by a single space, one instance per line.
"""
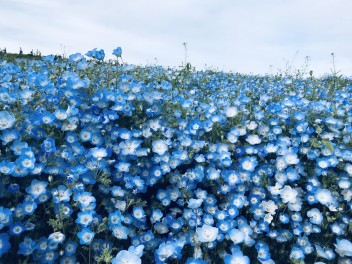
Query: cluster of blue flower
x=114 y=163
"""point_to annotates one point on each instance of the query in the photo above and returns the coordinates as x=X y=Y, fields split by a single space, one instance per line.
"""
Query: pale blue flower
x=6 y=120
x=126 y=257
x=343 y=247
x=207 y=233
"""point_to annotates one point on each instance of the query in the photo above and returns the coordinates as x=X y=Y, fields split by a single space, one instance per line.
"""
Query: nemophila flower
x=48 y=145
x=196 y=261
x=5 y=217
x=120 y=232
x=337 y=229
x=76 y=57
x=316 y=217
x=288 y=194
x=236 y=257
x=156 y=215
x=6 y=120
x=343 y=247
x=56 y=237
x=26 y=247
x=296 y=254
x=28 y=207
x=231 y=111
x=70 y=248
x=126 y=257
x=16 y=229
x=85 y=236
x=117 y=191
x=253 y=139
x=138 y=213
x=194 y=203
x=129 y=147
x=115 y=218
x=36 y=188
x=96 y=54
x=326 y=253
x=249 y=163
x=85 y=135
x=324 y=196
x=138 y=250
x=159 y=146
x=84 y=218
x=236 y=236
x=7 y=167
x=4 y=243
x=98 y=153
x=164 y=251
x=50 y=257
x=25 y=162
x=284 y=218
x=344 y=183
x=84 y=198
x=207 y=233
x=47 y=117
x=348 y=168
x=9 y=135
x=117 y=52
x=13 y=188
x=17 y=146
x=61 y=194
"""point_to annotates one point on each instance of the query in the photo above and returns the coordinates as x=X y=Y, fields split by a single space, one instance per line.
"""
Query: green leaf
x=328 y=145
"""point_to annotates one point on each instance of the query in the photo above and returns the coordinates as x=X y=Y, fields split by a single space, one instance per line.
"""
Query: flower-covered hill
x=108 y=162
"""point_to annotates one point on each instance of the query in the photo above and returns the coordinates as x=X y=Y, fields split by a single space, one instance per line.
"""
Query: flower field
x=105 y=162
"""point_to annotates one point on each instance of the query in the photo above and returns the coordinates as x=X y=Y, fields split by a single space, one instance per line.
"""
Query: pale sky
x=246 y=36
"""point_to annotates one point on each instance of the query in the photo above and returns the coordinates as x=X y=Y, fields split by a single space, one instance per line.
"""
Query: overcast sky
x=247 y=36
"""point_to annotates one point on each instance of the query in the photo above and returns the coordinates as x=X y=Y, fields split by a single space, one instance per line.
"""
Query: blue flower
x=26 y=247
x=84 y=198
x=324 y=196
x=37 y=188
x=126 y=257
x=296 y=254
x=84 y=218
x=138 y=250
x=85 y=236
x=115 y=218
x=56 y=237
x=16 y=229
x=70 y=248
x=28 y=207
x=138 y=213
x=117 y=52
x=156 y=215
x=195 y=203
x=61 y=194
x=48 y=145
x=196 y=261
x=207 y=233
x=96 y=54
x=7 y=167
x=343 y=247
x=164 y=251
x=236 y=257
x=4 y=243
x=120 y=232
x=159 y=146
x=316 y=217
x=237 y=236
x=6 y=120
x=249 y=163
x=9 y=135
